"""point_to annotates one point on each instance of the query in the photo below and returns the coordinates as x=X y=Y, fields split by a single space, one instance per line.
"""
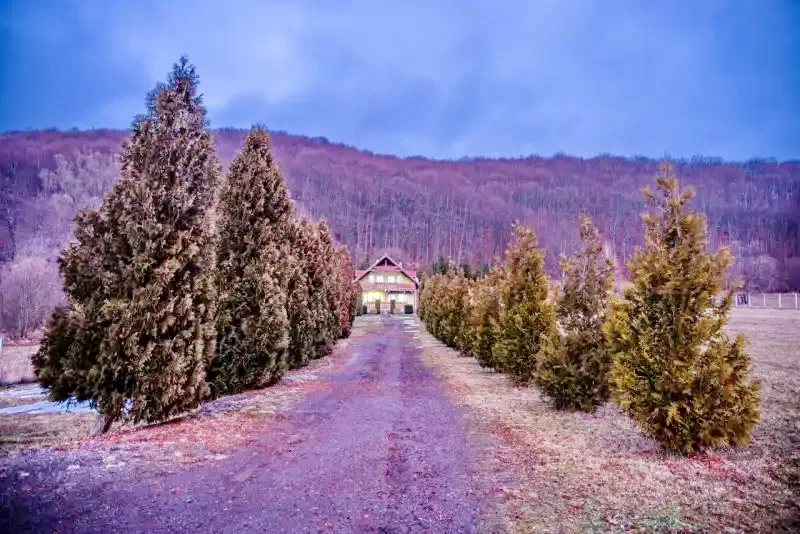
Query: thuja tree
x=452 y=311
x=573 y=366
x=675 y=371
x=313 y=305
x=347 y=291
x=483 y=317
x=325 y=294
x=430 y=295
x=443 y=301
x=525 y=315
x=302 y=317
x=252 y=271
x=138 y=332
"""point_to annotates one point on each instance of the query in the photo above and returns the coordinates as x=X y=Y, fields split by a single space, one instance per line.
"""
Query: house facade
x=385 y=281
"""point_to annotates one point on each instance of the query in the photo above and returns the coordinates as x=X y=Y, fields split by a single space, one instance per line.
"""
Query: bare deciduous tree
x=29 y=289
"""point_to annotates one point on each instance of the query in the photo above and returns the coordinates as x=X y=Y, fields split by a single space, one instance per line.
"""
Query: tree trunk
x=102 y=424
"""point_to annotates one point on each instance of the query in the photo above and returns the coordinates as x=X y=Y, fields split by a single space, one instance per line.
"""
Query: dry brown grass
x=206 y=433
x=563 y=471
x=15 y=364
x=32 y=431
x=9 y=396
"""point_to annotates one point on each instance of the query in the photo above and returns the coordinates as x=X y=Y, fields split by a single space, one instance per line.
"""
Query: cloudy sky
x=443 y=79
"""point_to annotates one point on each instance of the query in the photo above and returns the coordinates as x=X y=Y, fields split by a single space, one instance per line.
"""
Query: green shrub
x=573 y=366
x=525 y=315
x=675 y=371
x=443 y=298
x=483 y=317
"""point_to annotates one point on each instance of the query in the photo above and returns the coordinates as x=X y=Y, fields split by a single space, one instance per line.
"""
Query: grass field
x=563 y=471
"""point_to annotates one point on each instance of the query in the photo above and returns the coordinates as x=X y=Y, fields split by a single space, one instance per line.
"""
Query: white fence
x=767 y=300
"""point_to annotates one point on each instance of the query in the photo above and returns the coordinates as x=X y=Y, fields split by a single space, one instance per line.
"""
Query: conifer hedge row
x=186 y=284
x=658 y=350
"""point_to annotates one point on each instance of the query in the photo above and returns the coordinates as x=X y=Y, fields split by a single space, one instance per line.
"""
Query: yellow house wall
x=369 y=297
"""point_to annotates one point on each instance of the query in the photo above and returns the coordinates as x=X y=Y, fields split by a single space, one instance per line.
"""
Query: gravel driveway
x=379 y=450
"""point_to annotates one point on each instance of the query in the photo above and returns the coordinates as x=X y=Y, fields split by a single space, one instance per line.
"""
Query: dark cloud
x=442 y=79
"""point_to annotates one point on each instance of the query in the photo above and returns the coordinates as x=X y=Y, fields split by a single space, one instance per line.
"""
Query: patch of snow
x=301 y=377
x=25 y=392
x=49 y=407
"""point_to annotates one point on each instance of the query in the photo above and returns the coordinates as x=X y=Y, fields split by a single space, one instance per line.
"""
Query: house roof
x=395 y=267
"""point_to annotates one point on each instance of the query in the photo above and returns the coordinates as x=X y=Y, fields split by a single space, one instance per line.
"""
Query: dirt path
x=379 y=450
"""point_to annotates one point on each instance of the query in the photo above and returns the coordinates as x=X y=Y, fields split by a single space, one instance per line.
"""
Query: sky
x=442 y=79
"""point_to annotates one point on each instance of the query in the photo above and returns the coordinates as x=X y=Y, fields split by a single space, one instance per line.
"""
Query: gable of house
x=386 y=270
x=386 y=281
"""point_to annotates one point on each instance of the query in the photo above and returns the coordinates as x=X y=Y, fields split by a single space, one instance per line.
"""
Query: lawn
x=563 y=471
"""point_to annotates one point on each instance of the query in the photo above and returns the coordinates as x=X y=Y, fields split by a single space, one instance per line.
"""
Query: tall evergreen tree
x=252 y=257
x=574 y=364
x=325 y=295
x=306 y=313
x=675 y=371
x=525 y=315
x=484 y=317
x=139 y=330
x=347 y=291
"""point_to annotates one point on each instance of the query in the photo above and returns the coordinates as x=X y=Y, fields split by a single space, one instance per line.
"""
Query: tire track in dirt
x=379 y=450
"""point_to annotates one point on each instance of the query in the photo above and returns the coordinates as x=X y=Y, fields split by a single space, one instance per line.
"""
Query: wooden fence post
x=749 y=302
x=795 y=300
x=765 y=299
x=779 y=300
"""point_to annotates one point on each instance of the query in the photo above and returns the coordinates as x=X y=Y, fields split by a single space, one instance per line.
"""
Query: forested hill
x=421 y=209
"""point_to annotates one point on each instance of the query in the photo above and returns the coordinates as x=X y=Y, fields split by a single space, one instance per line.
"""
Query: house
x=387 y=281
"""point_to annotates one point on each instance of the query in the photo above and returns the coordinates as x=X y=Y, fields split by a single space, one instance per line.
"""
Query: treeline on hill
x=658 y=350
x=419 y=209
x=183 y=285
